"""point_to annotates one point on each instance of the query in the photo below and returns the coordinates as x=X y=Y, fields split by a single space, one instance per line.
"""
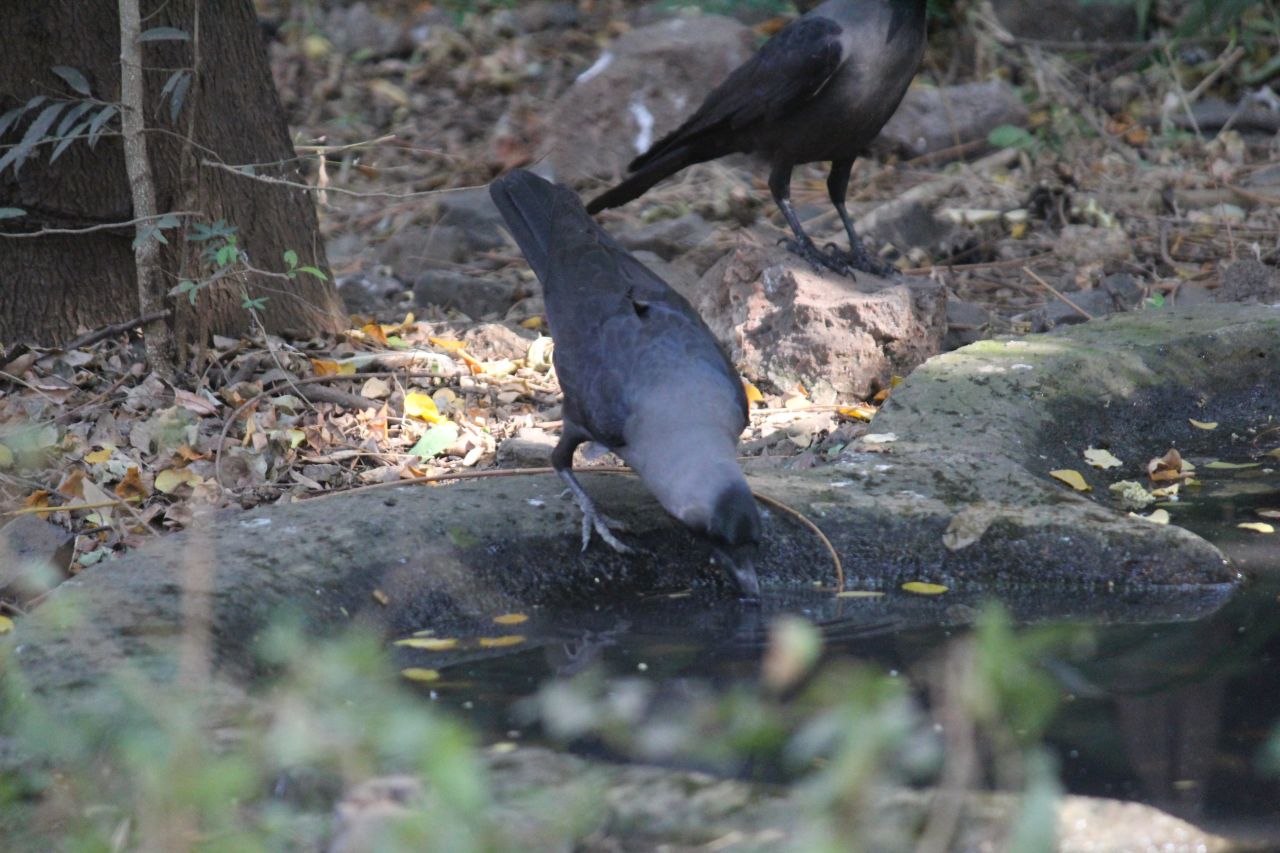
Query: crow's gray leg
x=592 y=518
x=857 y=257
x=802 y=245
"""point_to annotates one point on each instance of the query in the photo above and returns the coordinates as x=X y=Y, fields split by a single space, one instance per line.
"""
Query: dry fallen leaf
x=97 y=457
x=752 y=392
x=1257 y=526
x=880 y=438
x=171 y=479
x=381 y=597
x=1202 y=424
x=1219 y=465
x=500 y=642
x=860 y=412
x=422 y=406
x=1074 y=479
x=924 y=588
x=326 y=367
x=417 y=673
x=510 y=619
x=1158 y=516
x=859 y=593
x=1267 y=512
x=431 y=644
x=132 y=486
x=1101 y=458
x=1168 y=468
x=967 y=526
x=6 y=624
x=375 y=388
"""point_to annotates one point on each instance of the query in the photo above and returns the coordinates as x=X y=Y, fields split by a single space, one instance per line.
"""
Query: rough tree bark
x=54 y=286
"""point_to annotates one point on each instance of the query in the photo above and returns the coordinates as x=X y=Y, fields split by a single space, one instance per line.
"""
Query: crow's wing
x=786 y=73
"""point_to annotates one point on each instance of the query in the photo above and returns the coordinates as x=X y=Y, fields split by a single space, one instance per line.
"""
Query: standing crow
x=641 y=374
x=821 y=89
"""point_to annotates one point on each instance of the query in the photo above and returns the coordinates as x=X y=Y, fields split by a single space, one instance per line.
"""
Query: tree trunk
x=55 y=286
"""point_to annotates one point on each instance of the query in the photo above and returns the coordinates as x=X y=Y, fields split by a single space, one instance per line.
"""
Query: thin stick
x=105 y=226
x=822 y=537
x=1049 y=287
x=33 y=510
x=114 y=329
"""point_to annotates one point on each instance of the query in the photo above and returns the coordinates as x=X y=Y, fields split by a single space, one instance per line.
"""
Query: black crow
x=820 y=89
x=642 y=375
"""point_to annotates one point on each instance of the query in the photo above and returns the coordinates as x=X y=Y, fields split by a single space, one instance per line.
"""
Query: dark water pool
x=1173 y=703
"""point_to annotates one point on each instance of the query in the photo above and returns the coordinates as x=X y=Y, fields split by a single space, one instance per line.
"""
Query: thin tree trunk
x=146 y=251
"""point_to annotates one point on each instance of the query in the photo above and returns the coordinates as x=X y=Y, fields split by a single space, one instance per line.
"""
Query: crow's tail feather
x=639 y=182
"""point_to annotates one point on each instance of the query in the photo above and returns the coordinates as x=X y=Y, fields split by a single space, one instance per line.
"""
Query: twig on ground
x=1049 y=287
x=89 y=338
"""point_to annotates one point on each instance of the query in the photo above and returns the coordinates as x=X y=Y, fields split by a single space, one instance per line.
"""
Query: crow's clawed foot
x=832 y=260
x=863 y=261
x=604 y=526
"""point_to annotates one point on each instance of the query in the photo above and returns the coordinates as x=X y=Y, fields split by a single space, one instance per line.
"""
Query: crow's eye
x=641 y=308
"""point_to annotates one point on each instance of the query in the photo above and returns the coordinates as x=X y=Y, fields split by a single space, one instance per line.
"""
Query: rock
x=370 y=293
x=967 y=322
x=1250 y=281
x=492 y=341
x=1083 y=245
x=931 y=119
x=641 y=87
x=1115 y=293
x=547 y=15
x=474 y=213
x=529 y=448
x=689 y=243
x=1068 y=20
x=841 y=339
x=35 y=556
x=476 y=296
x=357 y=29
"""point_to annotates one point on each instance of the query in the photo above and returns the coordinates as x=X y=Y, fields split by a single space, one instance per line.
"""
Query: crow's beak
x=740 y=566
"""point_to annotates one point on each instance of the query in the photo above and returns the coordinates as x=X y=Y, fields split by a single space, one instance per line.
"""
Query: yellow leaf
x=171 y=479
x=1231 y=466
x=6 y=457
x=446 y=344
x=1257 y=526
x=381 y=597
x=431 y=644
x=752 y=392
x=417 y=673
x=499 y=368
x=6 y=624
x=374 y=332
x=535 y=322
x=499 y=642
x=1072 y=479
x=511 y=619
x=1101 y=458
x=1159 y=516
x=1202 y=424
x=296 y=437
x=97 y=457
x=422 y=406
x=859 y=593
x=326 y=367
x=861 y=412
x=923 y=588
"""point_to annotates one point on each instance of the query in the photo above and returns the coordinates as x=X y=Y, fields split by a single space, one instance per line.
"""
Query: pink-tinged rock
x=784 y=323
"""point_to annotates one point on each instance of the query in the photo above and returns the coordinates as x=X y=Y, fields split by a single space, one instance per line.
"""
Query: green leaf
x=35 y=133
x=74 y=78
x=435 y=440
x=12 y=212
x=100 y=123
x=315 y=272
x=1010 y=136
x=291 y=258
x=164 y=34
x=67 y=139
x=72 y=114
